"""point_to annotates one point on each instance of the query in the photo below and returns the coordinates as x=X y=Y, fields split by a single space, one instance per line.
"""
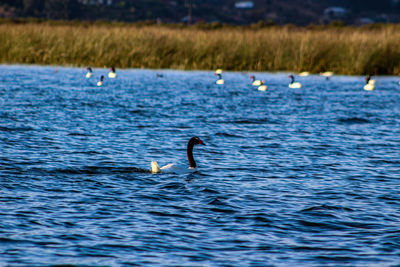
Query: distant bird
x=218 y=71
x=173 y=168
x=293 y=84
x=254 y=81
x=262 y=86
x=304 y=74
x=220 y=80
x=89 y=72
x=100 y=83
x=112 y=73
x=369 y=83
x=159 y=75
x=327 y=74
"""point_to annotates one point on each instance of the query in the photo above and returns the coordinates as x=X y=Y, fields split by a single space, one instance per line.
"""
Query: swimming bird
x=173 y=168
x=262 y=86
x=220 y=80
x=369 y=83
x=293 y=84
x=254 y=81
x=112 y=73
x=304 y=74
x=158 y=75
x=100 y=83
x=89 y=72
x=327 y=74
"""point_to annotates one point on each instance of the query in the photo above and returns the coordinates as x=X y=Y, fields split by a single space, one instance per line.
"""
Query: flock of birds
x=260 y=84
x=112 y=74
x=369 y=83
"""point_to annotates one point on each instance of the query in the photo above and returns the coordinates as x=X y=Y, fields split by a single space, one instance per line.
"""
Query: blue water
x=306 y=176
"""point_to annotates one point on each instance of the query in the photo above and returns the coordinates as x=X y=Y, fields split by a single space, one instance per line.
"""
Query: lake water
x=306 y=176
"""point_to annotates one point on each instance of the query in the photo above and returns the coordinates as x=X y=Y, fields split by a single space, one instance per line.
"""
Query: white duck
x=112 y=73
x=304 y=74
x=262 y=86
x=218 y=71
x=89 y=72
x=254 y=81
x=369 y=83
x=173 y=168
x=293 y=84
x=100 y=83
x=327 y=74
x=220 y=80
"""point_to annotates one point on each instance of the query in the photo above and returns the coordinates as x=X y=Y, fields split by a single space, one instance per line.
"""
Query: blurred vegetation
x=372 y=49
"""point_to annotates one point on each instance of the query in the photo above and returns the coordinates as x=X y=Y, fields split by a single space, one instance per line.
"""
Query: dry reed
x=346 y=50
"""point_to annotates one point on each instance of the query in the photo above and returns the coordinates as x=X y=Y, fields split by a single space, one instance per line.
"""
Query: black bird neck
x=189 y=150
x=291 y=79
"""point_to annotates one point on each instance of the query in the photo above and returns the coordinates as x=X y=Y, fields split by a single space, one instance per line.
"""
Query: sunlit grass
x=345 y=50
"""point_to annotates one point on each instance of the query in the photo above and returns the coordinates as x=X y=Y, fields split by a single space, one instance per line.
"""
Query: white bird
x=327 y=74
x=262 y=86
x=174 y=168
x=112 y=73
x=100 y=83
x=293 y=84
x=254 y=81
x=369 y=83
x=304 y=74
x=89 y=72
x=220 y=80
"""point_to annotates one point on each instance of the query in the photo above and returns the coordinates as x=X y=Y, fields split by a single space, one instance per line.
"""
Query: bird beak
x=201 y=143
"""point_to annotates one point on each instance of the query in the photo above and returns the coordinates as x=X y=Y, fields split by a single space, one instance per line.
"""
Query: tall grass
x=345 y=50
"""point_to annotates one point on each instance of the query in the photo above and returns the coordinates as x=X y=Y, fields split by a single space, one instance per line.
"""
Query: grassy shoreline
x=344 y=50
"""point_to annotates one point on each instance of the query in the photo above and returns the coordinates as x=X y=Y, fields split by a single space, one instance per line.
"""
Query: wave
x=353 y=120
x=325 y=208
x=79 y=134
x=99 y=170
x=228 y=135
x=15 y=129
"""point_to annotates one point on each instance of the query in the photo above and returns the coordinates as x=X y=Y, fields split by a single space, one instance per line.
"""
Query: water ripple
x=287 y=177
